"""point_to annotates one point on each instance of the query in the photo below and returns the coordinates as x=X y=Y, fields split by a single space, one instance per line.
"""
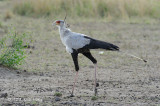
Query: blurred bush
x=12 y=51
x=1 y=24
x=8 y=15
x=89 y=8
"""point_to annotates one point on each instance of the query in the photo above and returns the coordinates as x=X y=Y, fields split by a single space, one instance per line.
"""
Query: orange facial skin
x=57 y=22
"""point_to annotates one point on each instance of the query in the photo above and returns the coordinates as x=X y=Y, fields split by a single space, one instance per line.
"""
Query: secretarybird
x=79 y=43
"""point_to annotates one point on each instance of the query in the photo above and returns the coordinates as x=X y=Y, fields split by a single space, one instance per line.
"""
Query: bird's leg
x=95 y=80
x=89 y=56
x=75 y=59
x=75 y=80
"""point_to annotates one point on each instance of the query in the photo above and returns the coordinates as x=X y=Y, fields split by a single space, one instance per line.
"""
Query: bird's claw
x=97 y=84
x=71 y=94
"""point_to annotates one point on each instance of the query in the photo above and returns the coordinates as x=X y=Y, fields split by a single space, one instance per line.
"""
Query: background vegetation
x=113 y=9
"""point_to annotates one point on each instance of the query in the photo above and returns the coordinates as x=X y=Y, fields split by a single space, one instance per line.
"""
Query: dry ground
x=48 y=68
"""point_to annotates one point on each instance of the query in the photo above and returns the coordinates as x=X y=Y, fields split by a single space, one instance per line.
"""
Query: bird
x=76 y=43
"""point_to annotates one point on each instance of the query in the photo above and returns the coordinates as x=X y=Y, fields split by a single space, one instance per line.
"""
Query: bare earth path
x=23 y=88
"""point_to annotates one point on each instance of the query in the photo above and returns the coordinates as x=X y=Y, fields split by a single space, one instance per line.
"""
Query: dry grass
x=111 y=9
x=8 y=15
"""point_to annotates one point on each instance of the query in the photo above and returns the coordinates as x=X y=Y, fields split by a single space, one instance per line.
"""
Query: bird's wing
x=77 y=40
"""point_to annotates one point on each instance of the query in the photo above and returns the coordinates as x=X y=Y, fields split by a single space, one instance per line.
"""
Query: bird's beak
x=54 y=24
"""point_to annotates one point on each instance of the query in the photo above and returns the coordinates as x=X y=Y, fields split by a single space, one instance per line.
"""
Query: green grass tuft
x=58 y=94
x=94 y=98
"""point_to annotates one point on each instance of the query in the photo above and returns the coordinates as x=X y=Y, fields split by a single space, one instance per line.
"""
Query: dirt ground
x=48 y=69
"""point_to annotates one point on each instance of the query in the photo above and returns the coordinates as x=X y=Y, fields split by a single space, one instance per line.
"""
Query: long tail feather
x=134 y=56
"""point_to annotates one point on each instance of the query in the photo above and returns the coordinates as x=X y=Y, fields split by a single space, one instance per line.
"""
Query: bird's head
x=59 y=23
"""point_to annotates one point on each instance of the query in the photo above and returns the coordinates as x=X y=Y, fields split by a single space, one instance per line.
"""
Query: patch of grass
x=24 y=10
x=12 y=51
x=94 y=98
x=58 y=94
x=34 y=103
x=89 y=8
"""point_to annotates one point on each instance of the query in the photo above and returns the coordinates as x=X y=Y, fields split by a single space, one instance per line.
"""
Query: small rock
x=4 y=95
x=57 y=99
x=18 y=72
x=41 y=74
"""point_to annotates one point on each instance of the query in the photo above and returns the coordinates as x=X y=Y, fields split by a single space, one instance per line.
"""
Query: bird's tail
x=97 y=44
x=131 y=55
x=109 y=46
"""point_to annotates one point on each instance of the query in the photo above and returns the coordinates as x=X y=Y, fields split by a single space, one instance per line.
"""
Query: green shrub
x=12 y=51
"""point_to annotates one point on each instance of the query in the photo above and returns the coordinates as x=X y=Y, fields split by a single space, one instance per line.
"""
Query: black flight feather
x=97 y=44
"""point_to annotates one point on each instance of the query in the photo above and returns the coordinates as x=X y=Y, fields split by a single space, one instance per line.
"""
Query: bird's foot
x=95 y=91
x=71 y=95
x=97 y=84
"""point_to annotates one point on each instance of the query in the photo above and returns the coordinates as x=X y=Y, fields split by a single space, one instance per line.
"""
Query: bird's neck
x=63 y=31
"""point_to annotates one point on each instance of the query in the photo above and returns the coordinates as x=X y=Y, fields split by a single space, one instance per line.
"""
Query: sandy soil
x=121 y=87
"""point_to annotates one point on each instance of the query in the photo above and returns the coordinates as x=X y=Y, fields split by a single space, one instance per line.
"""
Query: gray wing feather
x=77 y=41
